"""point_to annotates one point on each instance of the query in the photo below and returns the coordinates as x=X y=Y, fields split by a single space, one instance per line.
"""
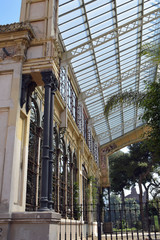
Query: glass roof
x=102 y=41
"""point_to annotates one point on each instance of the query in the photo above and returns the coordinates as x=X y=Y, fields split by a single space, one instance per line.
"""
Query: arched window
x=33 y=159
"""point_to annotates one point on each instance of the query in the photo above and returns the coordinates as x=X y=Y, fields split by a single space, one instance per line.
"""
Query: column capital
x=49 y=79
x=54 y=85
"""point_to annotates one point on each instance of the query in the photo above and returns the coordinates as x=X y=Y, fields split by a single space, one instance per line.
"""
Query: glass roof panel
x=69 y=15
x=127 y=12
x=98 y=4
x=115 y=121
x=104 y=40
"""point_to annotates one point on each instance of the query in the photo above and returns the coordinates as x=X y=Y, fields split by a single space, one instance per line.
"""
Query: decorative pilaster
x=49 y=80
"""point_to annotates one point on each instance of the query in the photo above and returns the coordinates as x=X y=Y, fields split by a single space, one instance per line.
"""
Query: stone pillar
x=14 y=120
x=29 y=225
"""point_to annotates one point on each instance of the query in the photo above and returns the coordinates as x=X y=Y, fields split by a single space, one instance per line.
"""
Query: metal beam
x=134 y=24
x=117 y=129
x=112 y=81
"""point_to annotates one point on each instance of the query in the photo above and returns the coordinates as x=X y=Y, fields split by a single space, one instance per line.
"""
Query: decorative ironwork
x=90 y=139
x=110 y=82
x=100 y=116
x=68 y=94
x=64 y=174
x=85 y=196
x=131 y=25
x=105 y=54
x=63 y=83
x=51 y=83
x=33 y=172
x=96 y=153
x=117 y=129
x=85 y=126
x=62 y=131
x=55 y=169
x=75 y=168
x=28 y=86
x=69 y=182
x=93 y=145
x=80 y=117
x=124 y=220
x=62 y=179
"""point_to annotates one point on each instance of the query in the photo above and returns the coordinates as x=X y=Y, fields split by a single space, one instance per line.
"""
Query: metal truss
x=99 y=117
x=111 y=34
x=121 y=77
x=118 y=129
x=111 y=62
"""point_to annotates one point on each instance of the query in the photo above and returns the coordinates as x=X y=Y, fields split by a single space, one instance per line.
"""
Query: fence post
x=99 y=221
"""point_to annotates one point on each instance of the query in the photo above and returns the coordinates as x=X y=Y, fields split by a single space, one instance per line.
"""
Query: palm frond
x=152 y=51
x=130 y=97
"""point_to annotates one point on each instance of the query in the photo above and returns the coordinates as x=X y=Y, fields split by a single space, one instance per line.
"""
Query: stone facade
x=27 y=49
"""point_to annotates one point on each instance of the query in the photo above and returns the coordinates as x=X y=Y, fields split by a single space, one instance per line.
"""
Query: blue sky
x=9 y=11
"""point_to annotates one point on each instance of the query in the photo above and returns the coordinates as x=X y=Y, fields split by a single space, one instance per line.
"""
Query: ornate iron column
x=50 y=172
x=49 y=80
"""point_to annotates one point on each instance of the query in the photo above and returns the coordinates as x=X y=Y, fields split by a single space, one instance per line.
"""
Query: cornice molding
x=14 y=27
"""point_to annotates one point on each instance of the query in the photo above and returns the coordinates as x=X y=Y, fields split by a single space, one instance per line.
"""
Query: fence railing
x=131 y=221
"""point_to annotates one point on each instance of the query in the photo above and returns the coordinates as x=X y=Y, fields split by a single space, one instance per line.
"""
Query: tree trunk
x=122 y=197
x=141 y=201
x=123 y=203
x=147 y=192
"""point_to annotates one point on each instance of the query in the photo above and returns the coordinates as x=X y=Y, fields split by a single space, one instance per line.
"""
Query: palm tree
x=130 y=97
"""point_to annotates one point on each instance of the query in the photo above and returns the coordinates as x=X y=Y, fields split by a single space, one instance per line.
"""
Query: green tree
x=119 y=170
x=154 y=185
x=142 y=164
x=132 y=213
x=151 y=116
x=128 y=169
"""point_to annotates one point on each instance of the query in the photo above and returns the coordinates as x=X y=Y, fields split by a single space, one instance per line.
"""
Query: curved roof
x=102 y=40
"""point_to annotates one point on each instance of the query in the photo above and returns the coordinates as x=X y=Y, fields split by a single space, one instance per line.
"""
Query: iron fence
x=131 y=221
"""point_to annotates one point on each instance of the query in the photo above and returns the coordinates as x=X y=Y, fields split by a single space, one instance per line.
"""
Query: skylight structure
x=102 y=41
